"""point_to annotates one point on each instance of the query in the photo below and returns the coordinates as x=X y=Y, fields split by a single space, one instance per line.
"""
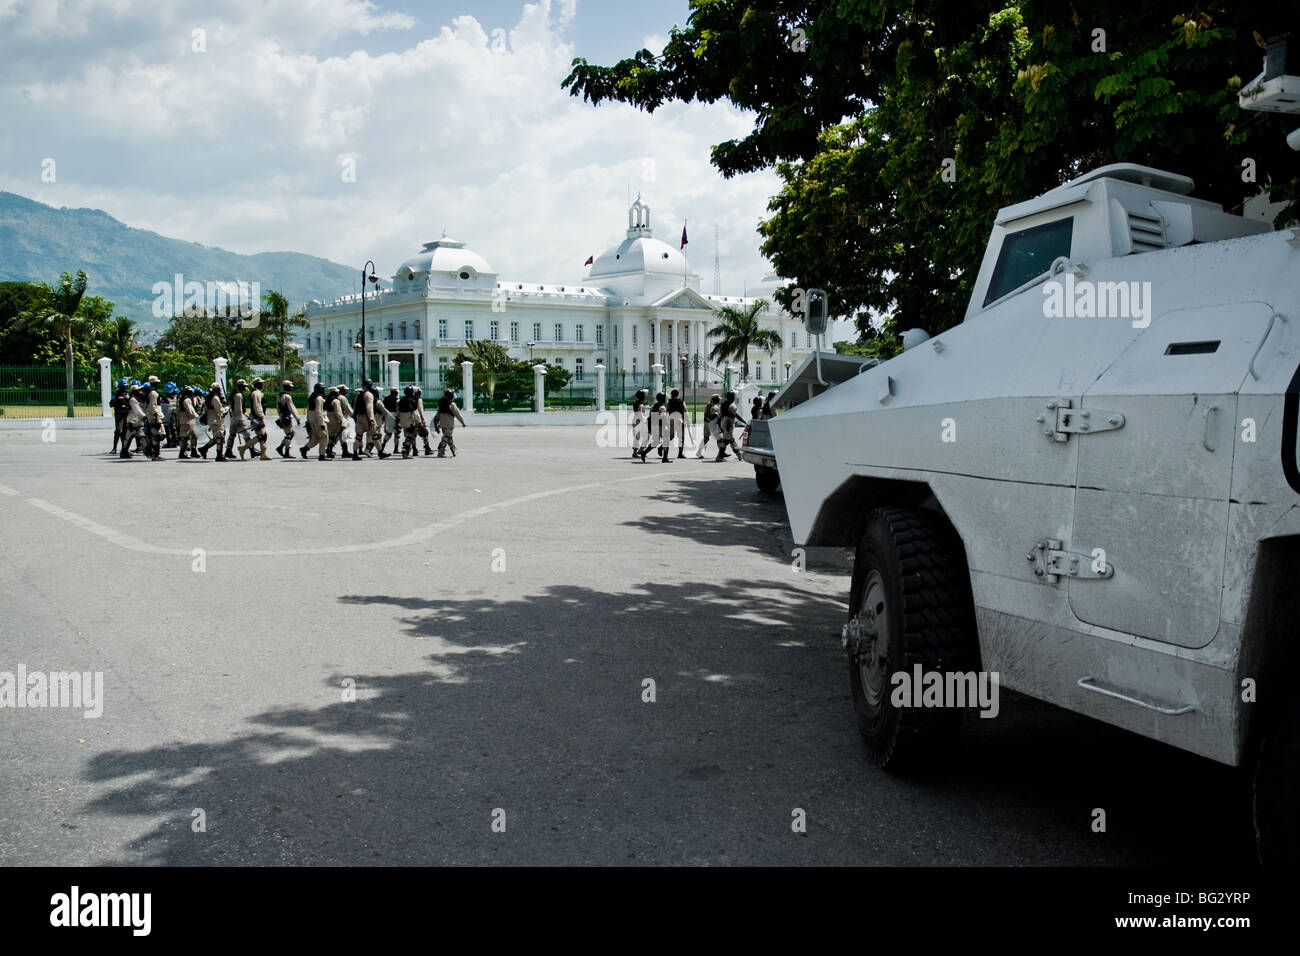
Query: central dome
x=445 y=256
x=644 y=254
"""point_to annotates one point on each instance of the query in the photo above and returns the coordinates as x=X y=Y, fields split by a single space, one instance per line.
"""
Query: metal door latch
x=1050 y=562
x=1067 y=420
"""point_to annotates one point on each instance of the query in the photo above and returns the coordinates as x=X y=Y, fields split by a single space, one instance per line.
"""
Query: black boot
x=203 y=451
x=303 y=451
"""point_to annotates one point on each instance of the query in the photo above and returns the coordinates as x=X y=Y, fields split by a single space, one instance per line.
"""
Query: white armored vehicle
x=1089 y=487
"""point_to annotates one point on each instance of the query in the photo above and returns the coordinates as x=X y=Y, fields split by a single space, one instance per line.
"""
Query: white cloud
x=466 y=129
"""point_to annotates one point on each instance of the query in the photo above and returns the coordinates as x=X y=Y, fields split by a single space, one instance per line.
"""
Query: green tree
x=277 y=322
x=59 y=309
x=492 y=360
x=737 y=329
x=899 y=129
x=117 y=342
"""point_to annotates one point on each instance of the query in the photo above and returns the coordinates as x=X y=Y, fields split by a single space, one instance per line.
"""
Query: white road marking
x=127 y=542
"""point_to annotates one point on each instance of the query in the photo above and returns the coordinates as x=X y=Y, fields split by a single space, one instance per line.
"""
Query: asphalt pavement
x=538 y=652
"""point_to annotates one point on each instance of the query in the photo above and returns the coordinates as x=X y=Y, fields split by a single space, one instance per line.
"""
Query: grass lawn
x=47 y=411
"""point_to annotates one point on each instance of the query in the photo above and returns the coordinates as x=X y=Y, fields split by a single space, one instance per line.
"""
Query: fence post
x=220 y=365
x=467 y=385
x=539 y=388
x=395 y=374
x=600 y=388
x=105 y=385
x=313 y=375
x=733 y=374
x=658 y=371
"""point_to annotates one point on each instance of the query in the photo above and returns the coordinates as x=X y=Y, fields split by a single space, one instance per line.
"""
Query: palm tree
x=737 y=330
x=490 y=358
x=279 y=321
x=58 y=309
x=118 y=341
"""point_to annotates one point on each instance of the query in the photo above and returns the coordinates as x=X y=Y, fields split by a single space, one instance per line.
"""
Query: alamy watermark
x=960 y=689
x=236 y=298
x=1084 y=299
x=38 y=689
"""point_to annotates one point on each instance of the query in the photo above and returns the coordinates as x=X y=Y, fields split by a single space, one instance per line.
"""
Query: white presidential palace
x=638 y=306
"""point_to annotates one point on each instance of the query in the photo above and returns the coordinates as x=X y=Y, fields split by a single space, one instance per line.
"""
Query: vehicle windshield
x=1027 y=254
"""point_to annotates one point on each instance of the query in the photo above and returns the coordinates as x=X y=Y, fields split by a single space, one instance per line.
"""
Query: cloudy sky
x=449 y=111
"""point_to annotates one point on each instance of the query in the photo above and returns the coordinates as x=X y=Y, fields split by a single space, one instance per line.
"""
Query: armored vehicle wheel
x=910 y=604
x=768 y=479
x=1277 y=789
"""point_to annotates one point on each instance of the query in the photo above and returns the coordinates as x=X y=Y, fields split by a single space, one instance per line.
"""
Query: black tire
x=1277 y=789
x=912 y=568
x=767 y=479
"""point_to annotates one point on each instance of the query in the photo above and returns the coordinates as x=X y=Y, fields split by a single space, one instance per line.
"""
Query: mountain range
x=37 y=242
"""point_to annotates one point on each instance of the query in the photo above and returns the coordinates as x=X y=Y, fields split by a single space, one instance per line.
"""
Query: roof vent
x=1146 y=231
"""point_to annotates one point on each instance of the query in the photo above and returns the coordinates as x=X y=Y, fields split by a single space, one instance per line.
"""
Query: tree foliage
x=862 y=106
x=737 y=329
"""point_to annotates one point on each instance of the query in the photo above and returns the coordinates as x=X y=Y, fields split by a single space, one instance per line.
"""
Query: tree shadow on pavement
x=541 y=706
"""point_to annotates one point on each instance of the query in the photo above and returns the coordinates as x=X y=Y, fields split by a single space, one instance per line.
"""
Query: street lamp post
x=787 y=371
x=695 y=381
x=683 y=361
x=623 y=386
x=360 y=344
x=531 y=345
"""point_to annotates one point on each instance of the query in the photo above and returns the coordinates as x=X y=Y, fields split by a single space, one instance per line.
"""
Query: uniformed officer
x=406 y=420
x=257 y=416
x=421 y=424
x=170 y=399
x=640 y=424
x=215 y=413
x=727 y=420
x=239 y=427
x=134 y=420
x=120 y=404
x=333 y=421
x=448 y=415
x=390 y=403
x=153 y=418
x=658 y=427
x=676 y=409
x=317 y=423
x=288 y=413
x=711 y=413
x=183 y=419
x=367 y=424
x=347 y=425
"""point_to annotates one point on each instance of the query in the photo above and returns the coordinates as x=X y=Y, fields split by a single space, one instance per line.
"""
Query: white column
x=394 y=374
x=600 y=388
x=106 y=385
x=313 y=374
x=539 y=388
x=220 y=365
x=735 y=376
x=658 y=370
x=467 y=386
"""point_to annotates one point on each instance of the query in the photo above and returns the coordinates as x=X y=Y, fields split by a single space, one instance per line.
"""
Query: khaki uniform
x=318 y=420
x=727 y=424
x=446 y=422
x=185 y=415
x=238 y=423
x=154 y=424
x=215 y=416
x=288 y=416
x=367 y=422
x=334 y=424
x=258 y=415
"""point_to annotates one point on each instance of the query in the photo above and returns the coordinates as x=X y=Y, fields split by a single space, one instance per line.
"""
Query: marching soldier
x=257 y=414
x=288 y=412
x=153 y=419
x=348 y=426
x=120 y=404
x=238 y=421
x=170 y=399
x=658 y=427
x=367 y=425
x=640 y=425
x=390 y=403
x=183 y=418
x=448 y=415
x=333 y=421
x=215 y=412
x=134 y=420
x=711 y=413
x=421 y=424
x=727 y=420
x=317 y=423
x=406 y=420
x=676 y=409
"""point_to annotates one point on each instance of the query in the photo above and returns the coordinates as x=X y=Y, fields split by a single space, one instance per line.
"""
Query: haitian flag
x=683 y=235
x=590 y=260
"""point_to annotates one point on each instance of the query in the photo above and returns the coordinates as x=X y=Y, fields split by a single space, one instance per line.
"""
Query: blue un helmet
x=122 y=383
x=170 y=388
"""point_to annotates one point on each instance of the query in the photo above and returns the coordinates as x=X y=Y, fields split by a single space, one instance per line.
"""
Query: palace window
x=633 y=364
x=402 y=328
x=793 y=343
x=469 y=329
x=417 y=328
x=442 y=328
x=537 y=331
x=559 y=331
x=390 y=331
x=773 y=371
x=514 y=333
x=686 y=337
x=577 y=332
x=600 y=335
x=634 y=336
x=652 y=334
x=494 y=330
x=578 y=371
